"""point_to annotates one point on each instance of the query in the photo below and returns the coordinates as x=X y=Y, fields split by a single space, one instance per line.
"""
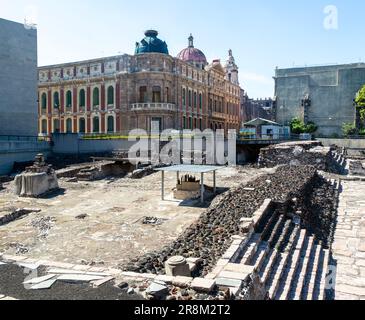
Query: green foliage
x=348 y=129
x=362 y=132
x=360 y=102
x=360 y=97
x=297 y=126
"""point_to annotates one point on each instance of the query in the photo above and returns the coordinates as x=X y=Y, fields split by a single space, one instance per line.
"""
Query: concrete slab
x=31 y=266
x=99 y=283
x=75 y=278
x=39 y=279
x=43 y=285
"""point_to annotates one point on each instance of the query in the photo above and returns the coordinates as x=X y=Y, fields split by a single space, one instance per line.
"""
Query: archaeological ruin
x=270 y=230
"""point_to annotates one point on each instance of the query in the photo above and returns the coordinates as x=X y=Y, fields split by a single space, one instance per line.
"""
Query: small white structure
x=265 y=129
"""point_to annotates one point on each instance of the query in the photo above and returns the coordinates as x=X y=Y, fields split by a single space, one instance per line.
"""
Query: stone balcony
x=218 y=115
x=153 y=107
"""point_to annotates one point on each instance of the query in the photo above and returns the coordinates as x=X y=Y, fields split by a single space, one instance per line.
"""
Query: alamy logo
x=181 y=147
x=331 y=19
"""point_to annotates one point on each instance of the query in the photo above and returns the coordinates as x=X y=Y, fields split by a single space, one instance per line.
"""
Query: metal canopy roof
x=259 y=121
x=190 y=168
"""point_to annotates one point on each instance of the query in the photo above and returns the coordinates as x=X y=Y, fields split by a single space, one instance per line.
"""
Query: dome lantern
x=151 y=44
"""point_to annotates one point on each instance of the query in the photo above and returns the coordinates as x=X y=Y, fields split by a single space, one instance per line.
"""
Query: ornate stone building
x=120 y=93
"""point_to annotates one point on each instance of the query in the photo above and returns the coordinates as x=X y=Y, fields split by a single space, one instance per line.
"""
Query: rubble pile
x=300 y=153
x=211 y=236
x=43 y=225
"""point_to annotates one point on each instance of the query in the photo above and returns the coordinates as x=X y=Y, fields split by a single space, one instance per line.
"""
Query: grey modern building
x=18 y=95
x=18 y=79
x=323 y=95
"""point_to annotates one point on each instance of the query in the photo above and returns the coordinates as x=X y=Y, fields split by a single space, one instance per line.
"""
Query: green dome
x=151 y=44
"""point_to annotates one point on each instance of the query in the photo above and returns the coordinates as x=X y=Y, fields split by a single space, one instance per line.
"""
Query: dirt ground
x=112 y=233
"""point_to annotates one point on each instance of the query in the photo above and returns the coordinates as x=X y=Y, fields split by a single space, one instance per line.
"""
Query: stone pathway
x=349 y=243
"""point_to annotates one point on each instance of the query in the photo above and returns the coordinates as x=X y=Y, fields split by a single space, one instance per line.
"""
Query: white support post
x=202 y=189
x=214 y=182
x=163 y=186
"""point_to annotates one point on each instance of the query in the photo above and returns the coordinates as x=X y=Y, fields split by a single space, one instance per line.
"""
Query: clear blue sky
x=262 y=34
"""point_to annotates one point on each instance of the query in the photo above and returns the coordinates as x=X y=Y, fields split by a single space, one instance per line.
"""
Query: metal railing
x=273 y=137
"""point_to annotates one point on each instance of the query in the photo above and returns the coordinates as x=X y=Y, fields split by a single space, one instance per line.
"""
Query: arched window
x=82 y=126
x=96 y=97
x=110 y=124
x=82 y=98
x=184 y=97
x=189 y=98
x=156 y=94
x=69 y=125
x=44 y=101
x=142 y=94
x=184 y=123
x=56 y=126
x=96 y=125
x=44 y=126
x=56 y=100
x=68 y=99
x=195 y=100
x=110 y=95
x=200 y=101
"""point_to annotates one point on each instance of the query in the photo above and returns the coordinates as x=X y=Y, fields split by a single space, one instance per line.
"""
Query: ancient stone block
x=203 y=285
x=177 y=266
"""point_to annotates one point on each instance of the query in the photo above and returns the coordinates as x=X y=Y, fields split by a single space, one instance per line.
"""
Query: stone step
x=318 y=292
x=272 y=256
x=277 y=231
x=261 y=252
x=322 y=286
x=299 y=267
x=267 y=266
x=303 y=270
x=293 y=263
x=311 y=274
x=274 y=282
x=265 y=259
x=267 y=230
x=285 y=235
x=281 y=273
x=250 y=248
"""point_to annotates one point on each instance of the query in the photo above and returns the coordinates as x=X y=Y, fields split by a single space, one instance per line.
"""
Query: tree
x=297 y=126
x=360 y=102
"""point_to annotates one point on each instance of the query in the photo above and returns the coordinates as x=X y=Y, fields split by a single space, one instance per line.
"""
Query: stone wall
x=299 y=153
x=344 y=143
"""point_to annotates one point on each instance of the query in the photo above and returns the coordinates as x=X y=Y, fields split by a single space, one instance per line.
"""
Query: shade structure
x=188 y=168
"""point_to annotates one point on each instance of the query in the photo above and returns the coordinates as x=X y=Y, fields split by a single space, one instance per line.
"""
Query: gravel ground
x=211 y=236
x=12 y=277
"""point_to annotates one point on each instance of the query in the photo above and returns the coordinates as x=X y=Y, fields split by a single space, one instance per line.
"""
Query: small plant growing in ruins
x=348 y=129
